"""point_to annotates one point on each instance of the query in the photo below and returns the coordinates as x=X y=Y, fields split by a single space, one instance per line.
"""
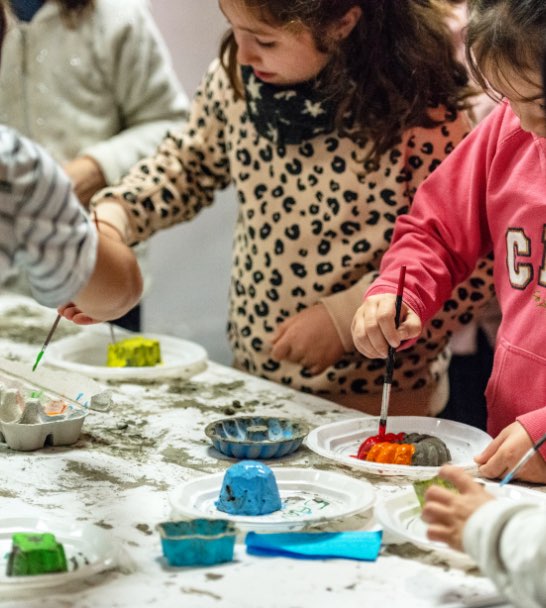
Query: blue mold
x=249 y=488
x=197 y=542
x=256 y=437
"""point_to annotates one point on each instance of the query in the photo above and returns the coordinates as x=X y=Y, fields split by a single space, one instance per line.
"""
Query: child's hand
x=308 y=338
x=87 y=177
x=71 y=312
x=504 y=452
x=447 y=512
x=374 y=327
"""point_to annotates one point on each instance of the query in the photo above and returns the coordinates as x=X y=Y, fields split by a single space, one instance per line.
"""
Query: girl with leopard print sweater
x=326 y=116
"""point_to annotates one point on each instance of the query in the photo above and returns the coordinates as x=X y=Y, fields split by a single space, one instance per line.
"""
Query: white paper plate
x=401 y=515
x=307 y=496
x=339 y=441
x=86 y=354
x=88 y=550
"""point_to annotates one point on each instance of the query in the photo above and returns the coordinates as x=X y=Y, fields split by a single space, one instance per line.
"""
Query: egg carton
x=36 y=410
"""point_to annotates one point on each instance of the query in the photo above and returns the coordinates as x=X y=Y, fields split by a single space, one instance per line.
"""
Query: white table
x=119 y=477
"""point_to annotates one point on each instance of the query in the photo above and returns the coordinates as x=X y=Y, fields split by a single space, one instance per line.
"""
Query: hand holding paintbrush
x=391 y=356
x=72 y=312
x=387 y=382
x=523 y=461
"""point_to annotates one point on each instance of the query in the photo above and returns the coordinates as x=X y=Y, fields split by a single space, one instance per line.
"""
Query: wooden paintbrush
x=387 y=382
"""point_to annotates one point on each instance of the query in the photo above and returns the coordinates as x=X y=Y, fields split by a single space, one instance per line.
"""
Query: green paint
x=38 y=358
x=35 y=554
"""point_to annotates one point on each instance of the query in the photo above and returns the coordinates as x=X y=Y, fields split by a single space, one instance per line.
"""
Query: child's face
x=524 y=92
x=276 y=55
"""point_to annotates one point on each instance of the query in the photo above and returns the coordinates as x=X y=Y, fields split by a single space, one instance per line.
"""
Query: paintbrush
x=387 y=382
x=112 y=336
x=523 y=460
x=47 y=341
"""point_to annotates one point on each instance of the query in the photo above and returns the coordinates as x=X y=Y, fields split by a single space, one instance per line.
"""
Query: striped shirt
x=43 y=227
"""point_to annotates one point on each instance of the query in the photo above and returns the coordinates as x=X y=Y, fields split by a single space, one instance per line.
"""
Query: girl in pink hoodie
x=490 y=194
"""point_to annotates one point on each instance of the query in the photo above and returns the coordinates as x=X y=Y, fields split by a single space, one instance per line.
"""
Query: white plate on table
x=401 y=514
x=86 y=354
x=88 y=549
x=308 y=497
x=339 y=441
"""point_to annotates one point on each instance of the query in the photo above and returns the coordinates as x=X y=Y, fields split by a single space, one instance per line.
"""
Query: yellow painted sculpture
x=134 y=352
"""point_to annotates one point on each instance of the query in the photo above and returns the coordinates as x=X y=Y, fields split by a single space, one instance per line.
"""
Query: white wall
x=190 y=263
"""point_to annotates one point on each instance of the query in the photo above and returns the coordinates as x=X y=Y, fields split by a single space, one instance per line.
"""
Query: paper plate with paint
x=88 y=550
x=308 y=497
x=401 y=514
x=340 y=441
x=87 y=354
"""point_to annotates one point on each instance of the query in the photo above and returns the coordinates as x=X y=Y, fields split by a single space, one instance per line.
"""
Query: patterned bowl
x=256 y=437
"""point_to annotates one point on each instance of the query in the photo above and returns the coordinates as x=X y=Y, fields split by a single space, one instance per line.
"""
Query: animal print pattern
x=314 y=221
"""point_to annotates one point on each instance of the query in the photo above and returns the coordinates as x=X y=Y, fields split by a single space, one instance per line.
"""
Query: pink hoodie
x=489 y=194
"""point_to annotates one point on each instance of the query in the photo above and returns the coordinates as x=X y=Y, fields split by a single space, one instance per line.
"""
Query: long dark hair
x=399 y=58
x=505 y=33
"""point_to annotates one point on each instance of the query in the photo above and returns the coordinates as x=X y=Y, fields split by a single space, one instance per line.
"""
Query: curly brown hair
x=397 y=63
x=505 y=34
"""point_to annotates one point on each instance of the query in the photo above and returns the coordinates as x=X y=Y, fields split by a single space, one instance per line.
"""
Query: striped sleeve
x=43 y=227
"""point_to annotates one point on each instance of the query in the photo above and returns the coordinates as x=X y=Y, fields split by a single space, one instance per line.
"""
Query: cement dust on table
x=308 y=497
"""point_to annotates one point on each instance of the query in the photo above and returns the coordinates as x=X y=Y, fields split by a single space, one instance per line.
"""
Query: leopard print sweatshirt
x=312 y=227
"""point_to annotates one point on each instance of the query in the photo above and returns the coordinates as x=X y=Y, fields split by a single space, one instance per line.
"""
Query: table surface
x=127 y=461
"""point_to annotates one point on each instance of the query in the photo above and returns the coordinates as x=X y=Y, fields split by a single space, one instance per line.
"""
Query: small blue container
x=197 y=542
x=256 y=437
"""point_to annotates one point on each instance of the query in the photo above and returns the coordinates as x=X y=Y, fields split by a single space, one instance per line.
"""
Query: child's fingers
x=411 y=326
x=490 y=450
x=494 y=468
x=459 y=478
x=280 y=350
x=439 y=495
x=439 y=533
x=437 y=513
x=385 y=314
x=279 y=332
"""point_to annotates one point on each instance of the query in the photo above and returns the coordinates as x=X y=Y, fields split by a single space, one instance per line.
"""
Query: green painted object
x=35 y=554
x=421 y=487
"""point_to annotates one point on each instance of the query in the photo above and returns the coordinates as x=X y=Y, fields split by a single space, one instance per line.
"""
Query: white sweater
x=508 y=541
x=106 y=89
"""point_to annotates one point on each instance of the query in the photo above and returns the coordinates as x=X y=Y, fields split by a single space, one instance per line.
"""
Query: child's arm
x=506 y=538
x=138 y=74
x=182 y=177
x=53 y=239
x=115 y=286
x=444 y=235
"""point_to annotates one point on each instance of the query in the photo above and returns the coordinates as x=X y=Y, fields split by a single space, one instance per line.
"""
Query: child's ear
x=346 y=24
